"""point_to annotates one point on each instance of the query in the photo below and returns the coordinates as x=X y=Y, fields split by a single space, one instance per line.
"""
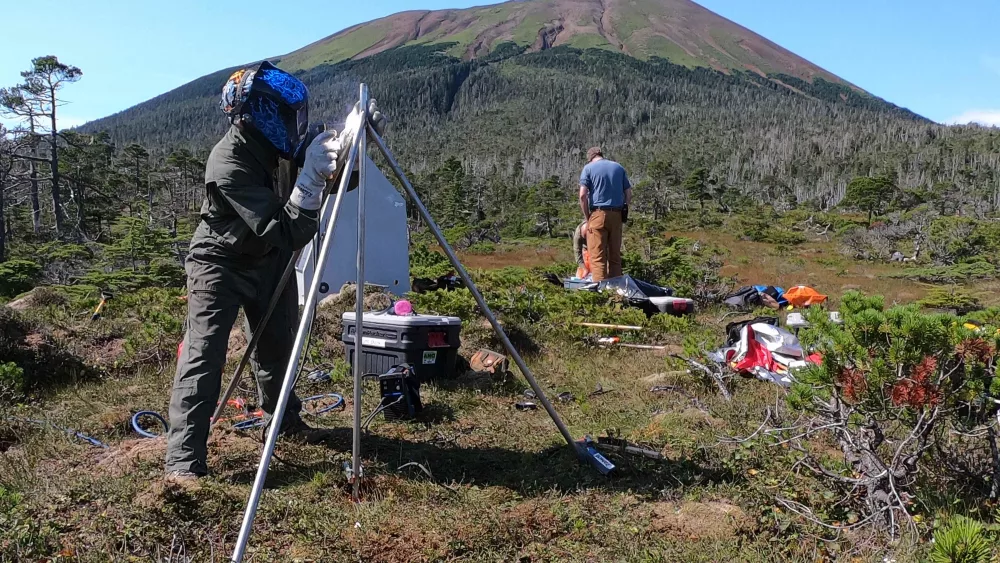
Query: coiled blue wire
x=155 y=415
x=249 y=424
x=326 y=409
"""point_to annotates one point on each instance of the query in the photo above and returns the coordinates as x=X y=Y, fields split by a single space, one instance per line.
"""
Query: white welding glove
x=321 y=164
x=375 y=117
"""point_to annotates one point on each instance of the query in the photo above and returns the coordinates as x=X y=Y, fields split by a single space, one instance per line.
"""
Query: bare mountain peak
x=680 y=31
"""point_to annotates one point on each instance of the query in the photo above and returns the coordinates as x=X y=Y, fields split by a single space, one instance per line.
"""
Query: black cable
x=380 y=408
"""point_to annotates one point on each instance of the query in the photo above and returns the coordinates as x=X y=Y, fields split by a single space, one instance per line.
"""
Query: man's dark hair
x=593 y=153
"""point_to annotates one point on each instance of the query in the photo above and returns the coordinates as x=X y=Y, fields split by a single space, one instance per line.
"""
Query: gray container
x=428 y=343
x=676 y=306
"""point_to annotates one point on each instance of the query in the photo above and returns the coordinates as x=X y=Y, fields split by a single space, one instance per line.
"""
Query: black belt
x=606 y=208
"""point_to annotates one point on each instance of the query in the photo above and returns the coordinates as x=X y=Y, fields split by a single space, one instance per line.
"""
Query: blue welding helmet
x=271 y=101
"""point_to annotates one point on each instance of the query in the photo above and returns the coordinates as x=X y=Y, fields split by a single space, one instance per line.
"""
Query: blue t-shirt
x=606 y=181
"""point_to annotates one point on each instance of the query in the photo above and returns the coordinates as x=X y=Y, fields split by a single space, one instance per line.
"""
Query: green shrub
x=668 y=324
x=158 y=273
x=18 y=276
x=522 y=300
x=899 y=373
x=765 y=225
x=140 y=256
x=962 y=540
x=679 y=263
x=158 y=319
x=783 y=237
x=760 y=231
x=948 y=274
x=31 y=362
x=950 y=298
x=425 y=263
x=11 y=379
x=482 y=248
x=25 y=537
x=954 y=239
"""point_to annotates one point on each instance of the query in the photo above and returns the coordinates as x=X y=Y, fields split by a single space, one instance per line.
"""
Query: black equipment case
x=428 y=343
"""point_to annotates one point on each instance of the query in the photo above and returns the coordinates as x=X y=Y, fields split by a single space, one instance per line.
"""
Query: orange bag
x=804 y=296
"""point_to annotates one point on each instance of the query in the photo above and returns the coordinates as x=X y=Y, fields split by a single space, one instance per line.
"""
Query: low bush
x=32 y=362
x=18 y=276
x=948 y=274
x=764 y=228
x=425 y=263
x=963 y=540
x=482 y=248
x=959 y=300
x=525 y=302
x=897 y=391
x=689 y=267
x=11 y=380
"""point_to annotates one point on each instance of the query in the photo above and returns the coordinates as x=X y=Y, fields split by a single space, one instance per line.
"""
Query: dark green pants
x=215 y=295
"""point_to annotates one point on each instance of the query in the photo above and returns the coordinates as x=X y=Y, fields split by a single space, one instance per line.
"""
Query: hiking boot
x=186 y=480
x=300 y=431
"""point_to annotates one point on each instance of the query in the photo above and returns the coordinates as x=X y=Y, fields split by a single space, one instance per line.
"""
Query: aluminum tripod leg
x=359 y=308
x=373 y=136
x=305 y=326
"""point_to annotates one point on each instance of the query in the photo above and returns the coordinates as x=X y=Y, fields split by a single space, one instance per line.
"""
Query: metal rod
x=614 y=327
x=373 y=136
x=359 y=306
x=255 y=338
x=640 y=346
x=305 y=326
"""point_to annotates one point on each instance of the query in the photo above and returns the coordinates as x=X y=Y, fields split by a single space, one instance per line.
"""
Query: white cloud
x=988 y=117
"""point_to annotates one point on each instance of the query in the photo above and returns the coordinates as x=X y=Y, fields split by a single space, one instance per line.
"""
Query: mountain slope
x=525 y=112
x=677 y=30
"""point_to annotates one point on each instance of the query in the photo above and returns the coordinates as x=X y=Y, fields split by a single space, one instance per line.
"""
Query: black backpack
x=744 y=299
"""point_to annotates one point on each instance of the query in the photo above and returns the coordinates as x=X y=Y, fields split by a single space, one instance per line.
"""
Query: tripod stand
x=357 y=156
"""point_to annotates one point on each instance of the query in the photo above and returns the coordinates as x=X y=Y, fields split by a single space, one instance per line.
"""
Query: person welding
x=246 y=237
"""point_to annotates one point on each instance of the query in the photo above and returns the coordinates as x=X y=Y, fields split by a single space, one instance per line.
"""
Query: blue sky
x=938 y=58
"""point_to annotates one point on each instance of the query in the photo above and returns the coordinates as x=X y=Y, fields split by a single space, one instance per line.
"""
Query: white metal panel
x=387 y=253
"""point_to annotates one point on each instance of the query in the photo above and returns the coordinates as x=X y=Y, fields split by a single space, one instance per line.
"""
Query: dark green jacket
x=243 y=219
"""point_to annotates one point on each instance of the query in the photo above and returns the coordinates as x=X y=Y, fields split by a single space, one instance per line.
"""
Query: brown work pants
x=604 y=241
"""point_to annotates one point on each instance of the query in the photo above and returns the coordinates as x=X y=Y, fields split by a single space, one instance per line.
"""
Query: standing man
x=246 y=238
x=605 y=193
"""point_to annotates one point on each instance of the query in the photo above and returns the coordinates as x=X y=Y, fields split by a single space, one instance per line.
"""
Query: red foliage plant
x=917 y=391
x=977 y=349
x=853 y=382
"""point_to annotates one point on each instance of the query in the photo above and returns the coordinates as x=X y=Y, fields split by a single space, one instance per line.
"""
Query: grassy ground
x=493 y=483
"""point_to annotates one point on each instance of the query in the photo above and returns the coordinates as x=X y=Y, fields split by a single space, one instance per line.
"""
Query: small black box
x=400 y=393
x=428 y=343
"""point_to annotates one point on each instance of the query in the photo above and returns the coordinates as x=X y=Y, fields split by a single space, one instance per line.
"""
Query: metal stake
x=305 y=326
x=359 y=307
x=475 y=291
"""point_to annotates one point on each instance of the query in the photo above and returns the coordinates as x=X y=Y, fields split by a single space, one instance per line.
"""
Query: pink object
x=403 y=308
